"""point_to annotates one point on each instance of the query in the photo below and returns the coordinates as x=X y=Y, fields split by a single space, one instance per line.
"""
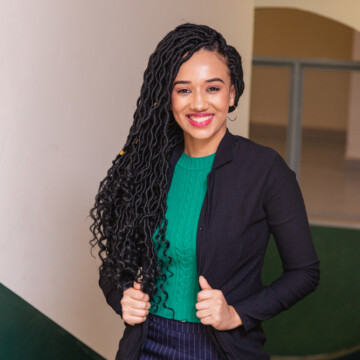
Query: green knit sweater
x=184 y=202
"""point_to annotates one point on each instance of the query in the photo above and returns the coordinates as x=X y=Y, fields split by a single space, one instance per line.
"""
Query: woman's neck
x=195 y=147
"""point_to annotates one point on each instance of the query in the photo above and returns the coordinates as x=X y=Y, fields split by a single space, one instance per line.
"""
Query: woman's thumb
x=137 y=285
x=204 y=284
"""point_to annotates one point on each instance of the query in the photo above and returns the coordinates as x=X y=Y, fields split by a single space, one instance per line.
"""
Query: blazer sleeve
x=112 y=295
x=287 y=220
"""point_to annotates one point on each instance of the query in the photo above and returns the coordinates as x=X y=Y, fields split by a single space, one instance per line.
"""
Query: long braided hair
x=131 y=202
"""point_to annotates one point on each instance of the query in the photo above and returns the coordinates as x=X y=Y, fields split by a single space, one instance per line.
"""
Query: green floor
x=327 y=321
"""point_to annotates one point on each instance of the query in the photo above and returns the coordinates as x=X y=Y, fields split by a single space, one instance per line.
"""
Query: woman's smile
x=200 y=119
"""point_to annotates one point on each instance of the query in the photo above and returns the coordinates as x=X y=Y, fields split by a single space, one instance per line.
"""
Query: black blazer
x=251 y=193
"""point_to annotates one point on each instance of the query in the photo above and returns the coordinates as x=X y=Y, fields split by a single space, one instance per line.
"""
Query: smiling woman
x=184 y=215
x=200 y=101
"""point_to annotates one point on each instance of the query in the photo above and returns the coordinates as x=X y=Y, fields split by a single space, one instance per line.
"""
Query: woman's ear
x=232 y=96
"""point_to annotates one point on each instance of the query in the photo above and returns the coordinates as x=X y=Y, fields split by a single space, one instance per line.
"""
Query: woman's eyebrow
x=215 y=79
x=180 y=82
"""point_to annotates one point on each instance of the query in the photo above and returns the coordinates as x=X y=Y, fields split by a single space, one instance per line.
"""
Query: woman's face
x=200 y=99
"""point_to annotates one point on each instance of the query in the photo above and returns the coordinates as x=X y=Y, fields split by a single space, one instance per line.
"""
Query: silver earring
x=236 y=114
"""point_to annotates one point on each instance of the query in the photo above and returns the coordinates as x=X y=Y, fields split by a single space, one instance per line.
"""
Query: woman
x=184 y=215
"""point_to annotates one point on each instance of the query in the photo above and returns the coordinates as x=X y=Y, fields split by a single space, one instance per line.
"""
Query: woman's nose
x=199 y=102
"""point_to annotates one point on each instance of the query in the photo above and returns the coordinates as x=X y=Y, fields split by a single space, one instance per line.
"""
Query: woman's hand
x=135 y=305
x=214 y=310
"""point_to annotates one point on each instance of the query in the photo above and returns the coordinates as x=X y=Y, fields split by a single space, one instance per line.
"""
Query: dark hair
x=131 y=201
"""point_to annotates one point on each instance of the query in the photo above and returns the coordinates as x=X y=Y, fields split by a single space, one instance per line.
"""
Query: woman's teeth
x=200 y=119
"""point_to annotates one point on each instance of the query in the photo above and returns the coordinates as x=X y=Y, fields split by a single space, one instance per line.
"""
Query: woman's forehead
x=204 y=63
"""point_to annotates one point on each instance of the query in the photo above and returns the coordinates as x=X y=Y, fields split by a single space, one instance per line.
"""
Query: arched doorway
x=325 y=321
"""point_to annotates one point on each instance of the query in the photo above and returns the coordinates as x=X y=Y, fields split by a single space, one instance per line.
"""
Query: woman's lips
x=200 y=119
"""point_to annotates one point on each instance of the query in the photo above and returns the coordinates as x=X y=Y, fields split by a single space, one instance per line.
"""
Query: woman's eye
x=183 y=91
x=213 y=88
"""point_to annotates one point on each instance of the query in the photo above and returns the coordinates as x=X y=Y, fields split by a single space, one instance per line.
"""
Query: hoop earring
x=236 y=115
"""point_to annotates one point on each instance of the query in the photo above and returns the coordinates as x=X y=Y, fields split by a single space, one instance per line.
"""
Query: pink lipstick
x=200 y=120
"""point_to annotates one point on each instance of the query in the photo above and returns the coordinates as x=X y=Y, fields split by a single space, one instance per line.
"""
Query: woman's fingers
x=142 y=305
x=136 y=294
x=207 y=320
x=134 y=315
x=135 y=305
x=136 y=312
x=132 y=320
x=206 y=304
x=203 y=313
x=129 y=302
x=205 y=294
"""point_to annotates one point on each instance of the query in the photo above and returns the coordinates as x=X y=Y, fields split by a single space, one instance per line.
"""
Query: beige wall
x=300 y=34
x=346 y=12
x=297 y=33
x=353 y=133
x=70 y=73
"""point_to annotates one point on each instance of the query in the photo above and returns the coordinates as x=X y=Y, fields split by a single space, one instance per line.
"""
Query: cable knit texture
x=184 y=202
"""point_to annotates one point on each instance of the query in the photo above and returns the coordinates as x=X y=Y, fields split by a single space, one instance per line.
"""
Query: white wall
x=353 y=123
x=346 y=12
x=70 y=73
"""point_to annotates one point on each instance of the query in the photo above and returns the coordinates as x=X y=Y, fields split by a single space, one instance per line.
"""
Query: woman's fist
x=213 y=308
x=135 y=305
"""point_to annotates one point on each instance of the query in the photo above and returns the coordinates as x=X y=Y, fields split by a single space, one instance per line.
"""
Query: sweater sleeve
x=286 y=215
x=112 y=295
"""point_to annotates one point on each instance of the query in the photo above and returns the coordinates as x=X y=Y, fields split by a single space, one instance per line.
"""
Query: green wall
x=327 y=320
x=27 y=334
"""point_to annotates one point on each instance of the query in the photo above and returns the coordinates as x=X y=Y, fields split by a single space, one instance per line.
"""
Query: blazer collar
x=224 y=152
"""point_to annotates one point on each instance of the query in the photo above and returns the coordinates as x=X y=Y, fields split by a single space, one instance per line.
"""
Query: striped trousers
x=176 y=340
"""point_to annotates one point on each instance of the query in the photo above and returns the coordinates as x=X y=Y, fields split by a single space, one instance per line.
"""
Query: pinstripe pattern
x=175 y=340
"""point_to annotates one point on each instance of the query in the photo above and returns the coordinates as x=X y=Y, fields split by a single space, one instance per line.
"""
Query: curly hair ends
x=131 y=201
